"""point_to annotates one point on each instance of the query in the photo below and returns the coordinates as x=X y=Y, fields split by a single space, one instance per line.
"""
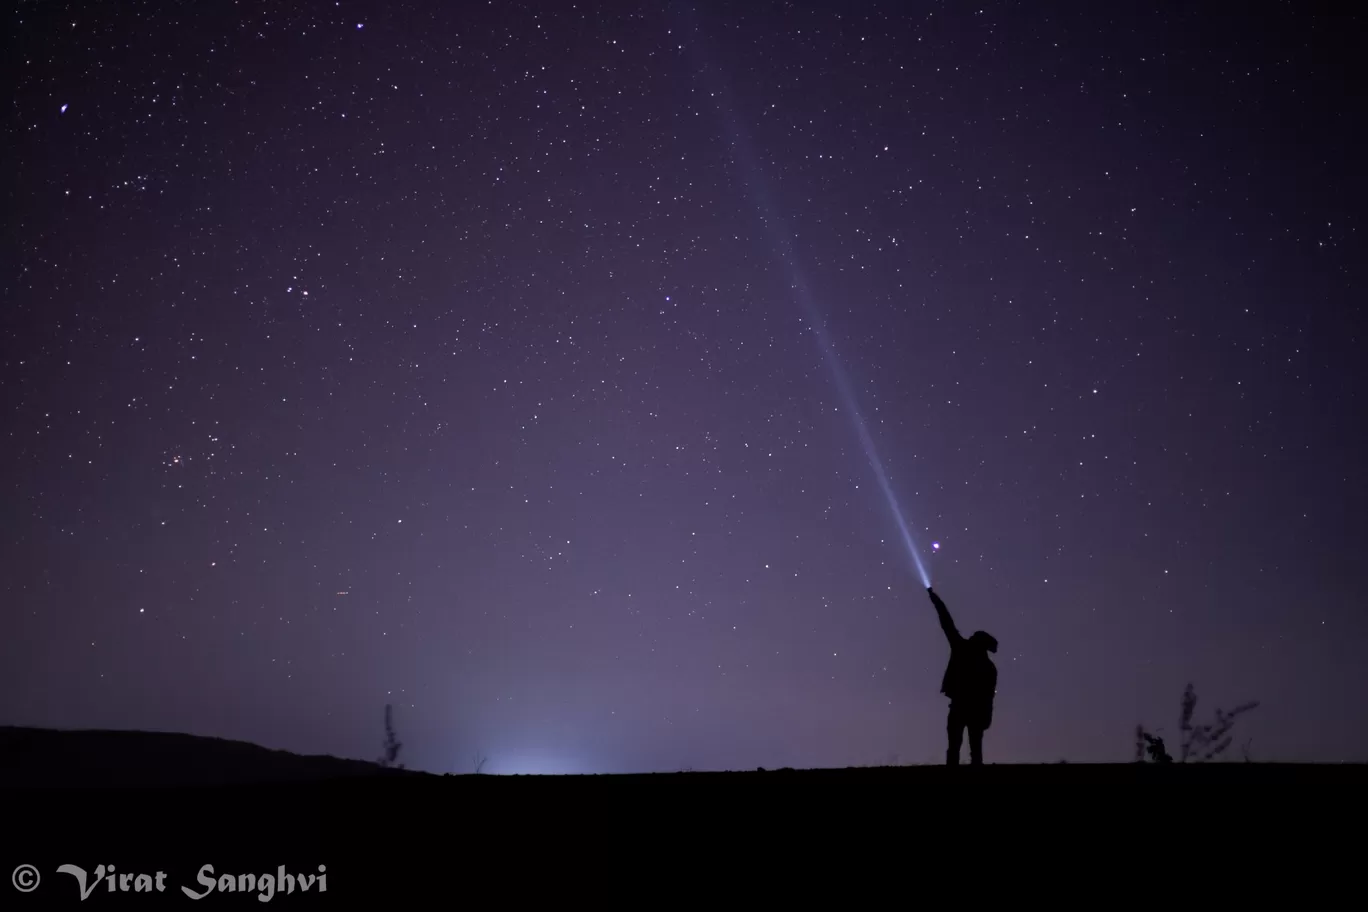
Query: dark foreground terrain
x=176 y=802
x=101 y=760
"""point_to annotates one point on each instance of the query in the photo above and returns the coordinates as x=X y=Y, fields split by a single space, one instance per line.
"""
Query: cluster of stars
x=450 y=342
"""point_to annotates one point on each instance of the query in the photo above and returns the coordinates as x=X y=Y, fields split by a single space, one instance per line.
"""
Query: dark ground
x=64 y=760
x=174 y=802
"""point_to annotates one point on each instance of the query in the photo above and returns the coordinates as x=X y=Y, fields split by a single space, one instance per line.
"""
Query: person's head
x=983 y=641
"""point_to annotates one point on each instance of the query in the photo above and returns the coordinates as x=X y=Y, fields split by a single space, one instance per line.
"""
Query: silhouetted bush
x=1145 y=743
x=1196 y=743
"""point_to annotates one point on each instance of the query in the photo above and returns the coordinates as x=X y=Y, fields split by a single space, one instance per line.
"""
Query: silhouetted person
x=970 y=682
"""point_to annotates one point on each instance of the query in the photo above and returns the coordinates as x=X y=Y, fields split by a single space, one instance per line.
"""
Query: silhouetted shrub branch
x=1196 y=743
x=391 y=743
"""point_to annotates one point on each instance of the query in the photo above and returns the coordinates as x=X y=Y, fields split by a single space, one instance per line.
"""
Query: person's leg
x=954 y=729
x=976 y=744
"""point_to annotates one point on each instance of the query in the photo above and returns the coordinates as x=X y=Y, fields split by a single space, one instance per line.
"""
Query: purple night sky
x=448 y=355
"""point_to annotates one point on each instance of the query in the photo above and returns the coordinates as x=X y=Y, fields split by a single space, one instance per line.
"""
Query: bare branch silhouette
x=391 y=744
x=1197 y=743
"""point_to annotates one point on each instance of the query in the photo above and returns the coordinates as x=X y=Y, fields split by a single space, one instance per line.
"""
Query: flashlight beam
x=852 y=408
x=754 y=177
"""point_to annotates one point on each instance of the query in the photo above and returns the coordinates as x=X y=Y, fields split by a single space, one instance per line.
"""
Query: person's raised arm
x=947 y=624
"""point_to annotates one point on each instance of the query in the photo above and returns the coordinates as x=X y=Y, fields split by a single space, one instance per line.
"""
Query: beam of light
x=753 y=176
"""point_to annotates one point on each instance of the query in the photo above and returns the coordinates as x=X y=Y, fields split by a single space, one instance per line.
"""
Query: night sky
x=455 y=356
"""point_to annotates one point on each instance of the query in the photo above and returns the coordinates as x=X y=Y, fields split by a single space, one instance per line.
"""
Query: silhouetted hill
x=37 y=757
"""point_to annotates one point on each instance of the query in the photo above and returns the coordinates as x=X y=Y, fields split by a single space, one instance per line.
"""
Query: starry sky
x=455 y=356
